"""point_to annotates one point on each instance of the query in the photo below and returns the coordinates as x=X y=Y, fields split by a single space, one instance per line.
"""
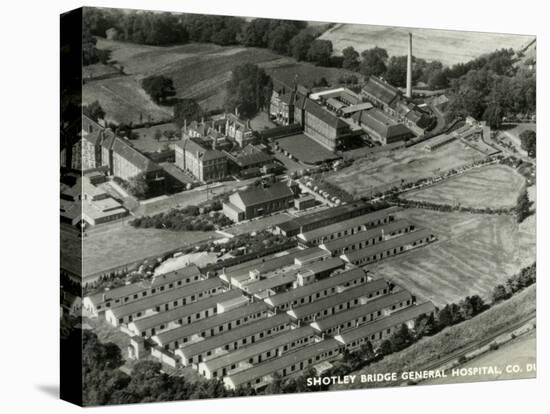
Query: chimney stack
x=409 y=68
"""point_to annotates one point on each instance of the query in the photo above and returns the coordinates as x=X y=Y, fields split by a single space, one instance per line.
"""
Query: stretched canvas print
x=253 y=206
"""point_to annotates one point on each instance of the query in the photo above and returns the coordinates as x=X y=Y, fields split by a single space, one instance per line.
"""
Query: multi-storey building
x=206 y=164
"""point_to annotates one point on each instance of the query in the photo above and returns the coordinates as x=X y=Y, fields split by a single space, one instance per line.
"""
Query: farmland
x=198 y=70
x=381 y=171
x=474 y=253
x=494 y=186
x=448 y=46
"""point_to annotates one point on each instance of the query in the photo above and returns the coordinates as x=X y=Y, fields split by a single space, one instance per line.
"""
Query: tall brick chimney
x=408 y=94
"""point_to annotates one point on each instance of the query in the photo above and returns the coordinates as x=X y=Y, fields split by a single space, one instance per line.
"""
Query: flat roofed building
x=286 y=365
x=263 y=287
x=360 y=315
x=324 y=268
x=214 y=325
x=323 y=126
x=262 y=329
x=322 y=218
x=182 y=315
x=333 y=304
x=375 y=332
x=262 y=351
x=348 y=227
x=389 y=248
x=164 y=301
x=364 y=239
x=317 y=290
x=259 y=201
x=99 y=302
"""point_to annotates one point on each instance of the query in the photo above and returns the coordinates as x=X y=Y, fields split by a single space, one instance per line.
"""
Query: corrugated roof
x=396 y=318
x=388 y=244
x=284 y=361
x=330 y=301
x=243 y=354
x=211 y=322
x=217 y=341
x=303 y=291
x=383 y=302
x=347 y=224
x=152 y=301
x=183 y=311
x=361 y=236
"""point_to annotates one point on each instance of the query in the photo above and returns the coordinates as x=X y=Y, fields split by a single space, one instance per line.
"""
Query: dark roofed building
x=380 y=92
x=259 y=201
x=323 y=126
x=205 y=163
x=382 y=127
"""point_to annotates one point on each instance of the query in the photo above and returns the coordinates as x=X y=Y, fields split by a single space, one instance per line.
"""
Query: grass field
x=124 y=101
x=449 y=46
x=199 y=71
x=474 y=253
x=456 y=337
x=494 y=186
x=384 y=170
x=119 y=243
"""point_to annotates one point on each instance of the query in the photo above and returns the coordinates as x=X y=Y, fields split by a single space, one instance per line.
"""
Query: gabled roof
x=327 y=283
x=199 y=151
x=260 y=195
x=396 y=318
x=381 y=90
x=133 y=156
x=375 y=305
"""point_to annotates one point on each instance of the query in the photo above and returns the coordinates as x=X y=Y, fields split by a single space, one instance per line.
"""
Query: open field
x=473 y=254
x=124 y=101
x=119 y=243
x=199 y=71
x=448 y=46
x=473 y=331
x=382 y=171
x=494 y=186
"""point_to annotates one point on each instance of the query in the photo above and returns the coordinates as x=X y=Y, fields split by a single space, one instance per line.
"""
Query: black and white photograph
x=275 y=207
x=255 y=206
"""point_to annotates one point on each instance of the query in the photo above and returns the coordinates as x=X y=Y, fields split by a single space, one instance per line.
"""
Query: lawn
x=146 y=141
x=124 y=101
x=494 y=186
x=448 y=46
x=118 y=244
x=474 y=253
x=456 y=337
x=381 y=171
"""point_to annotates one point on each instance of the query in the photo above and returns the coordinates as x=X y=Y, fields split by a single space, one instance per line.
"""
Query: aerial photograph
x=252 y=206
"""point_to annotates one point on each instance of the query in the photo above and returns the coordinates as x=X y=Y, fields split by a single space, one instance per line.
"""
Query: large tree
x=350 y=58
x=249 y=89
x=396 y=73
x=374 y=61
x=94 y=111
x=300 y=45
x=320 y=52
x=529 y=142
x=187 y=110
x=160 y=88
